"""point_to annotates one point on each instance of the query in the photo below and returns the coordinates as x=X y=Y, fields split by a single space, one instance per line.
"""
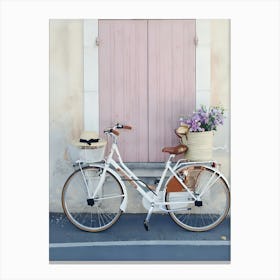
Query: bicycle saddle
x=180 y=149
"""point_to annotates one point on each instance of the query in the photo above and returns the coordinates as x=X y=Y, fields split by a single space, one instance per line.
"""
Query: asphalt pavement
x=128 y=241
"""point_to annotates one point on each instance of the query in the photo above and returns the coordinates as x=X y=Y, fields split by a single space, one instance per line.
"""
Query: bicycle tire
x=106 y=208
x=215 y=202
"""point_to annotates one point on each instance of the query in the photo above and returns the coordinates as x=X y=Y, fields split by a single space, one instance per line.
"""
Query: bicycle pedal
x=146 y=225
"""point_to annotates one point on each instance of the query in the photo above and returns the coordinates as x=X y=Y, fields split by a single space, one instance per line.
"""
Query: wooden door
x=146 y=79
x=123 y=94
x=171 y=68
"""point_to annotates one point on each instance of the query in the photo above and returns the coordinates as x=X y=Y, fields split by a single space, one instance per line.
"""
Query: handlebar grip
x=127 y=127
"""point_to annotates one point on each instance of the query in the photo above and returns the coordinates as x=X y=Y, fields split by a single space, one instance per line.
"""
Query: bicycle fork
x=84 y=179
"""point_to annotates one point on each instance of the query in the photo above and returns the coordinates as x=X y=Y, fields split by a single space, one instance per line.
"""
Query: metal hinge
x=97 y=41
x=195 y=40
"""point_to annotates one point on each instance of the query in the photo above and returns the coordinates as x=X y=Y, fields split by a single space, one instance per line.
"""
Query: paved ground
x=127 y=240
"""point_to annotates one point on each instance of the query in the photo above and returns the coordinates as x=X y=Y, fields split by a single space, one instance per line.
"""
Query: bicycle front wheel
x=89 y=214
x=215 y=198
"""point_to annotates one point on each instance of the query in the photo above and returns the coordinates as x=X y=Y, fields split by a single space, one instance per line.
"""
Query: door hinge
x=195 y=40
x=97 y=41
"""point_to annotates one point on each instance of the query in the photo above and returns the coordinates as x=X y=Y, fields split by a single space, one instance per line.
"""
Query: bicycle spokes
x=92 y=213
x=211 y=203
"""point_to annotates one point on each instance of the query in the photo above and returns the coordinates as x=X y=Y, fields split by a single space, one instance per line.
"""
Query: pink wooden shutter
x=171 y=80
x=123 y=83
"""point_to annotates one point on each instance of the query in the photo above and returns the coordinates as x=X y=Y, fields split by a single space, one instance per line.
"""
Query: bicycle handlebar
x=122 y=126
x=117 y=126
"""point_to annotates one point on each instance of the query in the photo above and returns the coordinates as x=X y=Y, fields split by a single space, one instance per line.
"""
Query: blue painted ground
x=76 y=245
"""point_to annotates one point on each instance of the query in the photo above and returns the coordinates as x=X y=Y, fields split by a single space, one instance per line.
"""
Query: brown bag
x=190 y=175
x=174 y=186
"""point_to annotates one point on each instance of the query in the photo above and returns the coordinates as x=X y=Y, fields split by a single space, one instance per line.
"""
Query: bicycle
x=196 y=195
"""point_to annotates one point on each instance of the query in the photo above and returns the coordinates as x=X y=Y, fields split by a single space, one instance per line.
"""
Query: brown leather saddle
x=180 y=149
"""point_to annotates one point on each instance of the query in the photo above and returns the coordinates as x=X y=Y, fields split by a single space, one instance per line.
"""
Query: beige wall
x=213 y=79
x=66 y=103
x=220 y=86
x=220 y=62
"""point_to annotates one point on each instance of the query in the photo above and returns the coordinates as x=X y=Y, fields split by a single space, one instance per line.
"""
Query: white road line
x=143 y=243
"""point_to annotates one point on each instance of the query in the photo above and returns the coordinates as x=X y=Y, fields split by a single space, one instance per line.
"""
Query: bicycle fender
x=117 y=176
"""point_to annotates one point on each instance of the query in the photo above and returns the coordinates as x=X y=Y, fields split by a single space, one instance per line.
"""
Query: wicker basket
x=200 y=145
x=89 y=154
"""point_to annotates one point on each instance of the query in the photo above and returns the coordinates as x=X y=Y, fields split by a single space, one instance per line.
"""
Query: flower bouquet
x=199 y=131
x=205 y=120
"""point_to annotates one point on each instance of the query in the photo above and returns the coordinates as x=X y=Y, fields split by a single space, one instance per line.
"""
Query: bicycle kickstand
x=146 y=221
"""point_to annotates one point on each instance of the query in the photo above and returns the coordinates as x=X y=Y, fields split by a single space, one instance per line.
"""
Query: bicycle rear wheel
x=215 y=198
x=96 y=214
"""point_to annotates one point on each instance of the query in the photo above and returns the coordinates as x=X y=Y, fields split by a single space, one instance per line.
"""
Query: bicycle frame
x=191 y=184
x=121 y=168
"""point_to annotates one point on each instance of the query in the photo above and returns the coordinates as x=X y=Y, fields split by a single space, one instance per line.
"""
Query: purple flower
x=205 y=120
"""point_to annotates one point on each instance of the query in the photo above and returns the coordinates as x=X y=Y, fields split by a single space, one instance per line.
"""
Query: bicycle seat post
x=168 y=162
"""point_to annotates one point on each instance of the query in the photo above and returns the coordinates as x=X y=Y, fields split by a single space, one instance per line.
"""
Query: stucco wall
x=220 y=62
x=213 y=79
x=220 y=87
x=66 y=102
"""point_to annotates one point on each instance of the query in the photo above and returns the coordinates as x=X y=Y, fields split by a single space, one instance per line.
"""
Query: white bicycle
x=196 y=195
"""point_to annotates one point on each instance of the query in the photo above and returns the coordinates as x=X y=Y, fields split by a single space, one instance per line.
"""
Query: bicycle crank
x=198 y=203
x=90 y=201
x=146 y=225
